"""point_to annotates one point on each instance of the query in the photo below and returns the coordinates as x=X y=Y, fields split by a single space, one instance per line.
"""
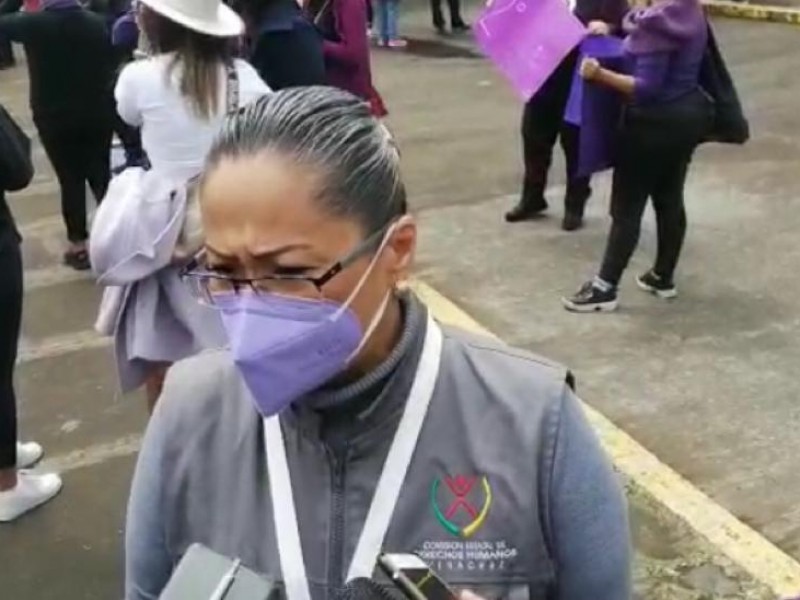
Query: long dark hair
x=199 y=55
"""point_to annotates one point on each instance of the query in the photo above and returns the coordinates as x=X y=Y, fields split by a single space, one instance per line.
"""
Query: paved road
x=706 y=383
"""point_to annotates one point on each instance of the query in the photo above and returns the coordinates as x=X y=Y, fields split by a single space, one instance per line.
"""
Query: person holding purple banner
x=668 y=115
x=543 y=124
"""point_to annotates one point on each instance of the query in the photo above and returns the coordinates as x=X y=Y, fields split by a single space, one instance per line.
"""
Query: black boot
x=531 y=204
x=574 y=204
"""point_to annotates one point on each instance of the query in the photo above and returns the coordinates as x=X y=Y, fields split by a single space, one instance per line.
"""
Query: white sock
x=602 y=284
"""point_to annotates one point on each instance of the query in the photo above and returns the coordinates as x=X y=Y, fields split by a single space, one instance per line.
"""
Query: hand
x=468 y=595
x=590 y=68
x=599 y=28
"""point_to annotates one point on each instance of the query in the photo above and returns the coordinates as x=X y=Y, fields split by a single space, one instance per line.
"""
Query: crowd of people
x=255 y=250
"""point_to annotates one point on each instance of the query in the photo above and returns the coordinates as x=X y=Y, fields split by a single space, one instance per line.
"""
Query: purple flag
x=607 y=50
x=528 y=39
x=595 y=108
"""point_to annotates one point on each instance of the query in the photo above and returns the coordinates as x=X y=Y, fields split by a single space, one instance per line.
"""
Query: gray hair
x=331 y=130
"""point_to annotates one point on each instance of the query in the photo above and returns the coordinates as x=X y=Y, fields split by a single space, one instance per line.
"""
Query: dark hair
x=200 y=57
x=331 y=130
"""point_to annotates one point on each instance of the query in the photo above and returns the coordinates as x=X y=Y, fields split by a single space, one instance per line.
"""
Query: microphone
x=362 y=588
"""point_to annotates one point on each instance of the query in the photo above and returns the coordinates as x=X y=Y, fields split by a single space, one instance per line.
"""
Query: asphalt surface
x=706 y=382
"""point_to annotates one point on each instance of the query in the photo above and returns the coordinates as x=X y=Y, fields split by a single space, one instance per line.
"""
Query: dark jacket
x=608 y=11
x=287 y=48
x=70 y=62
x=343 y=24
x=555 y=91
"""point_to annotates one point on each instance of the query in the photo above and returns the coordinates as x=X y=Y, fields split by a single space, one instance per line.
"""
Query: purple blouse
x=664 y=76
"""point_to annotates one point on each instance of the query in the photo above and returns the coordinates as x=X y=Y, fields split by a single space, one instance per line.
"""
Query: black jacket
x=70 y=62
x=609 y=11
x=286 y=47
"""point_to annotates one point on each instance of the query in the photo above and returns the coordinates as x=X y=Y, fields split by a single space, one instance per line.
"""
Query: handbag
x=16 y=166
x=729 y=125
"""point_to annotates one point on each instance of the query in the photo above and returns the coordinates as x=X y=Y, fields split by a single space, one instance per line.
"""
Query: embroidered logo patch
x=471 y=544
x=461 y=504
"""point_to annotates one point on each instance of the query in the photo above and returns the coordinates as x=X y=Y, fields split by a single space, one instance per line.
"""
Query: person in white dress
x=179 y=96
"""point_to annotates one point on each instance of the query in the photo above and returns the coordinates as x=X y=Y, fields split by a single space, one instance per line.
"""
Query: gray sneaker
x=591 y=298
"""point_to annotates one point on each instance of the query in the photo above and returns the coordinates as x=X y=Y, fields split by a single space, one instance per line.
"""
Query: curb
x=745 y=547
x=753 y=12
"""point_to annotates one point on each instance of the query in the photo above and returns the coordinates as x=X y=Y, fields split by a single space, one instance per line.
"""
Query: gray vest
x=474 y=504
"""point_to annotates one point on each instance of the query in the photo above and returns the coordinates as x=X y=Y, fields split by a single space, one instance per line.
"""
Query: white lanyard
x=387 y=491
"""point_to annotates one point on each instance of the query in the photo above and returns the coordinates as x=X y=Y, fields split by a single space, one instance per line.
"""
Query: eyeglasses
x=207 y=286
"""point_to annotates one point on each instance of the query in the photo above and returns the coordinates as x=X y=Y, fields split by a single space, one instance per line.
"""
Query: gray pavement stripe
x=60 y=345
x=92 y=455
x=36 y=279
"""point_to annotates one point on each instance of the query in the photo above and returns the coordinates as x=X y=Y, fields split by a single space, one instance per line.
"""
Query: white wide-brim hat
x=211 y=17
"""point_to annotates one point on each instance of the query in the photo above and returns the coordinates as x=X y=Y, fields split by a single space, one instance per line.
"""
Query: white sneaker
x=28 y=454
x=31 y=491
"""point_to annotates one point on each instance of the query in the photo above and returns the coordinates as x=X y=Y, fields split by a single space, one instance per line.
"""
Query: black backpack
x=729 y=124
x=16 y=166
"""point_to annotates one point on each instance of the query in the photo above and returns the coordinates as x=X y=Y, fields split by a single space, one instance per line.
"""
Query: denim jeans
x=387 y=19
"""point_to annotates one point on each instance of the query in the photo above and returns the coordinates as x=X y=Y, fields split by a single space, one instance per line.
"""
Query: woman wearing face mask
x=668 y=115
x=338 y=388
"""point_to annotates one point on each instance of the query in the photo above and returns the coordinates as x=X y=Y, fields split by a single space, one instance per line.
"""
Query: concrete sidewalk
x=776 y=11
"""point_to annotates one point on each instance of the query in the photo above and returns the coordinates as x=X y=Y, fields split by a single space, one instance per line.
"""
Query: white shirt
x=175 y=138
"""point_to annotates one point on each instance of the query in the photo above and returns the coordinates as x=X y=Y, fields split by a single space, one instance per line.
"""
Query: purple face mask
x=286 y=347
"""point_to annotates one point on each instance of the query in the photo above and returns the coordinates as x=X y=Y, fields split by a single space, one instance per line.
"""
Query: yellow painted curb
x=748 y=549
x=753 y=12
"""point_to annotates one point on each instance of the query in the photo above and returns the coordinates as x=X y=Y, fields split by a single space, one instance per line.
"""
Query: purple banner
x=607 y=50
x=597 y=109
x=527 y=39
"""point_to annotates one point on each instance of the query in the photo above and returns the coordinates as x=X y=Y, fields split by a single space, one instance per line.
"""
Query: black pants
x=6 y=52
x=656 y=148
x=455 y=13
x=542 y=125
x=643 y=173
x=10 y=319
x=79 y=152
